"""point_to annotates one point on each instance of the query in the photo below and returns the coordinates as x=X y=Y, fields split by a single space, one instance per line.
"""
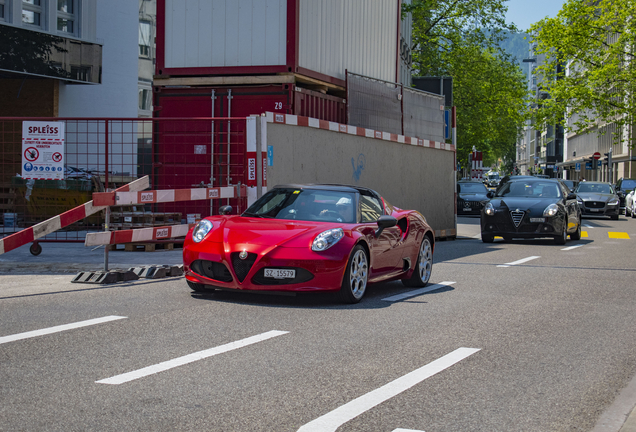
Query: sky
x=526 y=12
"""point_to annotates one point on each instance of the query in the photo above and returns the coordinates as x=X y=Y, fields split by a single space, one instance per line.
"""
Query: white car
x=630 y=204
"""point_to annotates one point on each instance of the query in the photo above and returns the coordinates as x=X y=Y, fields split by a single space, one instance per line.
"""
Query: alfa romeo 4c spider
x=307 y=238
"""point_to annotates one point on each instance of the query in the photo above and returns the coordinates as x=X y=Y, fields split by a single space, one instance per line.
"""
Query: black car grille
x=242 y=267
x=517 y=217
x=212 y=270
x=302 y=275
x=594 y=204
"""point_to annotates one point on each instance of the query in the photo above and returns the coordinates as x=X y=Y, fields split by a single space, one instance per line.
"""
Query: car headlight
x=551 y=210
x=326 y=239
x=201 y=229
x=613 y=202
x=489 y=209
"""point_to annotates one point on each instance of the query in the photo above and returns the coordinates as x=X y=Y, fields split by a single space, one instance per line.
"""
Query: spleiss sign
x=43 y=150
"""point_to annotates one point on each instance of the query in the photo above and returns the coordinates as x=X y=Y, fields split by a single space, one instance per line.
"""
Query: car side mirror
x=385 y=221
x=225 y=210
x=571 y=196
x=490 y=194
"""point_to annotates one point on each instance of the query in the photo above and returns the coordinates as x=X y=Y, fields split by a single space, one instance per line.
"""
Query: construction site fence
x=102 y=154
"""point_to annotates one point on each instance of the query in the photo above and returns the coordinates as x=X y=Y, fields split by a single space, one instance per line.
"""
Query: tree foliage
x=459 y=38
x=595 y=42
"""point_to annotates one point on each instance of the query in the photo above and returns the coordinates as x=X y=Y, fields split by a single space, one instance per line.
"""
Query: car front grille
x=212 y=270
x=594 y=204
x=517 y=217
x=242 y=267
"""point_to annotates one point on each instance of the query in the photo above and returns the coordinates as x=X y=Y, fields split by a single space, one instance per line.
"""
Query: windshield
x=493 y=177
x=594 y=188
x=471 y=188
x=530 y=189
x=306 y=205
x=628 y=184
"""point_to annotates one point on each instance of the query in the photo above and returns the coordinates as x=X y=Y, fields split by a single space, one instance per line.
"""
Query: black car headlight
x=201 y=229
x=613 y=202
x=489 y=209
x=551 y=210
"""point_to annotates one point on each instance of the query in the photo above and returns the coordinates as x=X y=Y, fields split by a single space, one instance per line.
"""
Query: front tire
x=563 y=238
x=487 y=238
x=422 y=272
x=576 y=235
x=355 y=279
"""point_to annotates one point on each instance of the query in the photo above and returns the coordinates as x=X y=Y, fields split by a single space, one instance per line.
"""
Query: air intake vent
x=517 y=217
x=242 y=267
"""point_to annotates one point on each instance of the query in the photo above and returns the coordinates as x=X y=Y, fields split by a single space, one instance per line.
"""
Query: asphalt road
x=520 y=336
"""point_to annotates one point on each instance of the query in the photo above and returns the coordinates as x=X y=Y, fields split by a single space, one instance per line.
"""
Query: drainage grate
x=517 y=217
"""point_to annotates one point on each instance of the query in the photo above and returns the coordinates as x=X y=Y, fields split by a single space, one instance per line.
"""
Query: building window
x=2 y=13
x=32 y=12
x=80 y=73
x=144 y=99
x=66 y=16
x=144 y=38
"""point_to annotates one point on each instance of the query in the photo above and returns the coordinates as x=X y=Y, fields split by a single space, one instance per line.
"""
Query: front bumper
x=599 y=209
x=209 y=264
x=502 y=225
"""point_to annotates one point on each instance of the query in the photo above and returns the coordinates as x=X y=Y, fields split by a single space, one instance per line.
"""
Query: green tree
x=460 y=38
x=595 y=40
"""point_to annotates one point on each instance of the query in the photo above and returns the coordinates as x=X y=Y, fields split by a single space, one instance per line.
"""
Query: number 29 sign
x=43 y=150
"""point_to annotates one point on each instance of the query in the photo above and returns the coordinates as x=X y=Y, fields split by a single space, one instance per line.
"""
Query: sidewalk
x=75 y=257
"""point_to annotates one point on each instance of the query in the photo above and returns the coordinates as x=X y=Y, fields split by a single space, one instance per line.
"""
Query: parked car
x=630 y=204
x=597 y=199
x=571 y=184
x=623 y=187
x=471 y=197
x=304 y=238
x=531 y=208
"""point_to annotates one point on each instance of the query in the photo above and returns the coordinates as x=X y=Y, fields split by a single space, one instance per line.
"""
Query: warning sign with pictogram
x=43 y=150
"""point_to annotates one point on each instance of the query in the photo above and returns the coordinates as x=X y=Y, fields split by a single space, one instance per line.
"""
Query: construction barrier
x=154 y=233
x=63 y=220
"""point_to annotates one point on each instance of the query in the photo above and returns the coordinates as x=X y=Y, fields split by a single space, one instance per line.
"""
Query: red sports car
x=302 y=238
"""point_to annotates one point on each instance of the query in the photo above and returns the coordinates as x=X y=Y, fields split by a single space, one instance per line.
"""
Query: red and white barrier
x=477 y=166
x=136 y=235
x=155 y=196
x=49 y=226
x=164 y=196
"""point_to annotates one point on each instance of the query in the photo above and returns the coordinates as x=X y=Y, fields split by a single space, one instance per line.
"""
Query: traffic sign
x=596 y=155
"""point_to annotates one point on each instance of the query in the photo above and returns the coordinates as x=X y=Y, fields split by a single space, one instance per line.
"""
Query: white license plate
x=595 y=210
x=280 y=274
x=466 y=208
x=537 y=219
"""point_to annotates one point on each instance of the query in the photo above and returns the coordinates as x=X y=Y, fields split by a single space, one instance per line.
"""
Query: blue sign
x=270 y=155
x=447 y=124
x=577 y=166
x=588 y=165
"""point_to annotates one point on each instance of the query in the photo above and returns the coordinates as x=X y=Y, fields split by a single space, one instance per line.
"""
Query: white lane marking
x=180 y=361
x=418 y=291
x=407 y=430
x=589 y=226
x=521 y=261
x=336 y=418
x=59 y=328
x=572 y=247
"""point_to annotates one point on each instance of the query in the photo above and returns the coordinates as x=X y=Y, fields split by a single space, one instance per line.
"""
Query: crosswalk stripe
x=180 y=361
x=618 y=235
x=58 y=329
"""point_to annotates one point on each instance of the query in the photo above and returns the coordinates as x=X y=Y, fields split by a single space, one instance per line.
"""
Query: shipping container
x=243 y=101
x=319 y=39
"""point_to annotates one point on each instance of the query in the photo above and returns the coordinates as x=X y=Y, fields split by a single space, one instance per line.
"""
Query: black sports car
x=471 y=197
x=598 y=199
x=531 y=208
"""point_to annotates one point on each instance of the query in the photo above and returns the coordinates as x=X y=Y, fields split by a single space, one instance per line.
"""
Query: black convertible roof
x=326 y=186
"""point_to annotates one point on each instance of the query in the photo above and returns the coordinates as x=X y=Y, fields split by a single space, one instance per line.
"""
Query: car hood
x=238 y=230
x=524 y=204
x=589 y=196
